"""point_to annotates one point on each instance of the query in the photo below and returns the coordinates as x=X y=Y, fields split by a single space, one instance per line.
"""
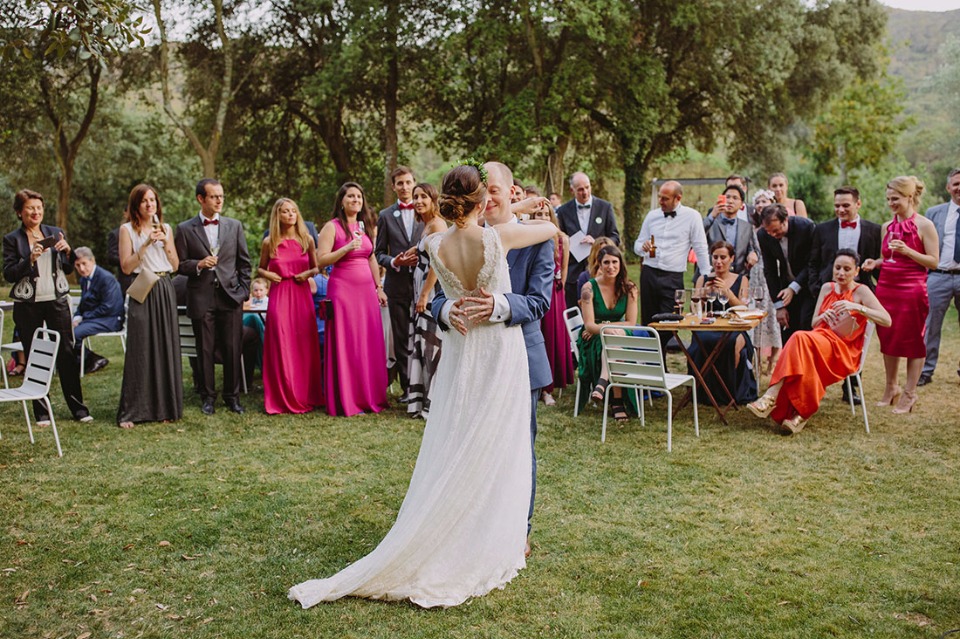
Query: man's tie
x=583 y=206
x=956 y=240
x=405 y=206
x=729 y=221
x=848 y=225
x=669 y=214
x=209 y=222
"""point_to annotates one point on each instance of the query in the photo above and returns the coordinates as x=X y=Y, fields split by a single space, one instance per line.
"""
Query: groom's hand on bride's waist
x=479 y=309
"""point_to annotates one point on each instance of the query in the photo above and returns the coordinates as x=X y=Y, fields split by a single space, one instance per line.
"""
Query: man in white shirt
x=943 y=283
x=673 y=229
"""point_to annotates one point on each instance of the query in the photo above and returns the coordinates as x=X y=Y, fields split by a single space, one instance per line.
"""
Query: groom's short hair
x=503 y=169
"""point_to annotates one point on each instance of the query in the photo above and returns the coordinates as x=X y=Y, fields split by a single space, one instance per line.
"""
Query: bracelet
x=379 y=287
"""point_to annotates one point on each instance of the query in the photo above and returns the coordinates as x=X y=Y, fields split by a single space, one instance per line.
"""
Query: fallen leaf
x=164 y=544
x=188 y=557
x=207 y=620
x=9 y=570
x=783 y=603
x=128 y=547
x=175 y=617
x=914 y=618
x=93 y=598
x=22 y=542
x=161 y=607
x=84 y=635
x=22 y=599
x=137 y=591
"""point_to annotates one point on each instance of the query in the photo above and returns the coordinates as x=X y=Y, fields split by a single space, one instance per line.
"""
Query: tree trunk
x=65 y=184
x=391 y=100
x=634 y=194
x=554 y=182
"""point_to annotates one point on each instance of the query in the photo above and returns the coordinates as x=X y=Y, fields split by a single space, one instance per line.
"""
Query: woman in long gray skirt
x=152 y=388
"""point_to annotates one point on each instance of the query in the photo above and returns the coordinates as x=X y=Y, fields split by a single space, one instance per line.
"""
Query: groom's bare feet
x=527 y=550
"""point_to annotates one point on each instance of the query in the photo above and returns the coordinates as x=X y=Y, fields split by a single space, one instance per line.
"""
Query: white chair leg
x=243 y=374
x=643 y=420
x=853 y=409
x=26 y=413
x=123 y=343
x=3 y=366
x=606 y=402
x=669 y=421
x=696 y=419
x=863 y=404
x=576 y=399
x=53 y=425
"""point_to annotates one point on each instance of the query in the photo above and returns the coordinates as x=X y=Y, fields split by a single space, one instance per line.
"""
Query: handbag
x=142 y=286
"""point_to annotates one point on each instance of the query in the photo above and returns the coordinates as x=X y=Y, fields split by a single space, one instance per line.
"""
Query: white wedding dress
x=461 y=529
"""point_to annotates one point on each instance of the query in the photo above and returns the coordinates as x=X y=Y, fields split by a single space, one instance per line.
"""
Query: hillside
x=914 y=38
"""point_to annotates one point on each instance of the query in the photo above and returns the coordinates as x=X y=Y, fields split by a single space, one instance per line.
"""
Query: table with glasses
x=726 y=327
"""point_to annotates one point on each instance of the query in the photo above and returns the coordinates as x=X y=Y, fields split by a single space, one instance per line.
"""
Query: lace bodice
x=494 y=276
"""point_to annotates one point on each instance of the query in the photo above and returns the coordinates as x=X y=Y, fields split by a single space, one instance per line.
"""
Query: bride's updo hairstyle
x=462 y=190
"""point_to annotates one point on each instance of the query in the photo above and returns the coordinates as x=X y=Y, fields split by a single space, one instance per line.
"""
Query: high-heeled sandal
x=600 y=390
x=763 y=406
x=907 y=401
x=793 y=425
x=893 y=398
x=619 y=412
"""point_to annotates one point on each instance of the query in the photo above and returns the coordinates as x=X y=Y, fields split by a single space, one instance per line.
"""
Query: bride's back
x=461 y=252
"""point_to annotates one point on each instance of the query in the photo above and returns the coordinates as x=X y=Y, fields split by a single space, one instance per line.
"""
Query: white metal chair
x=867 y=335
x=573 y=319
x=636 y=362
x=41 y=365
x=122 y=334
x=188 y=342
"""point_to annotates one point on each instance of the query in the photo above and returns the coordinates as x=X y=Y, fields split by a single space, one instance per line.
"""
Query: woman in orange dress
x=812 y=360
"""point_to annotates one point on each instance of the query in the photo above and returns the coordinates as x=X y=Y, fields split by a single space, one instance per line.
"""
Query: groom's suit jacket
x=531 y=280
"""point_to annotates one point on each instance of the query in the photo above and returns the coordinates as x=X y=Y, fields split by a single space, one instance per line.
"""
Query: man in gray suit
x=943 y=283
x=213 y=255
x=730 y=227
x=588 y=215
x=397 y=232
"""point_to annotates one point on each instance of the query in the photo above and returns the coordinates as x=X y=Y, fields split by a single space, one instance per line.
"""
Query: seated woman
x=591 y=269
x=608 y=298
x=812 y=360
x=735 y=381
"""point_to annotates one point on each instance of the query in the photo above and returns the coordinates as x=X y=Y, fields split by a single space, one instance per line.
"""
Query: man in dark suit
x=531 y=280
x=213 y=255
x=397 y=232
x=101 y=306
x=590 y=216
x=785 y=243
x=943 y=282
x=847 y=230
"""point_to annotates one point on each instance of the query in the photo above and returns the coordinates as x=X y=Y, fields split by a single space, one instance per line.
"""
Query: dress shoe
x=83 y=417
x=856 y=396
x=926 y=379
x=405 y=399
x=207 y=407
x=97 y=365
x=235 y=407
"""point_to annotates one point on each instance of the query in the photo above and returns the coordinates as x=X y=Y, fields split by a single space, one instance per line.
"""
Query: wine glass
x=711 y=297
x=215 y=249
x=894 y=234
x=678 y=297
x=756 y=292
x=723 y=299
x=696 y=297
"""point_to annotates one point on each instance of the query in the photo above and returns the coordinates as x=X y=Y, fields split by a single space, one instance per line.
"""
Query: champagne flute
x=894 y=234
x=360 y=229
x=157 y=226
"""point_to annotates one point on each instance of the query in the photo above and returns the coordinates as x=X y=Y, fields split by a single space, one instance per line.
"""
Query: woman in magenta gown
x=910 y=247
x=555 y=335
x=355 y=370
x=291 y=348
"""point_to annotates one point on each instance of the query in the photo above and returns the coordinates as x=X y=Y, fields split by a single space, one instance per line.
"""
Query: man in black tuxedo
x=100 y=309
x=213 y=256
x=397 y=231
x=588 y=215
x=847 y=230
x=785 y=242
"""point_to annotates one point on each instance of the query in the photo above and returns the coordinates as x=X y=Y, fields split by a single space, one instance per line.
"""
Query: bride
x=462 y=526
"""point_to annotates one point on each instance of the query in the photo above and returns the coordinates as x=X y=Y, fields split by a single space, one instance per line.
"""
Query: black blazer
x=824 y=249
x=599 y=210
x=799 y=243
x=100 y=296
x=392 y=240
x=232 y=273
x=18 y=270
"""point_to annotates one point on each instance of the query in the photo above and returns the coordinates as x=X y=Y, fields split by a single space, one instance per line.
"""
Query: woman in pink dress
x=777 y=183
x=291 y=349
x=355 y=372
x=555 y=335
x=910 y=247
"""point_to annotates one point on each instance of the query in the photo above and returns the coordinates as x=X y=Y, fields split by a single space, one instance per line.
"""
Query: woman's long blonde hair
x=275 y=238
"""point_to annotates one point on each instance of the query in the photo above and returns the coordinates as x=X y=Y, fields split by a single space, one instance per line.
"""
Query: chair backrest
x=867 y=335
x=635 y=358
x=574 y=322
x=188 y=341
x=41 y=362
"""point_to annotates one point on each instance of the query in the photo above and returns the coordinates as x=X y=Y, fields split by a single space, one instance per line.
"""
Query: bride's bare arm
x=513 y=236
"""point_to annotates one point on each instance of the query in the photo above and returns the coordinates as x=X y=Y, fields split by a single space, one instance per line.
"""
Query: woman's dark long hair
x=621 y=285
x=365 y=215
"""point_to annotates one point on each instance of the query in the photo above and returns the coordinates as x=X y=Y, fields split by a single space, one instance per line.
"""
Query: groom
x=531 y=280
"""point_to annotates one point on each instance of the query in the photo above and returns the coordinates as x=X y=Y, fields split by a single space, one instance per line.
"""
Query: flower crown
x=478 y=165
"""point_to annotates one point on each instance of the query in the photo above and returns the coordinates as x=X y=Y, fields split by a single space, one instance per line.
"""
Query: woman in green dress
x=609 y=298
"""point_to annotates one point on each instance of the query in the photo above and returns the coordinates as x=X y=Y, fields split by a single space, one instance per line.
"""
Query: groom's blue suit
x=531 y=280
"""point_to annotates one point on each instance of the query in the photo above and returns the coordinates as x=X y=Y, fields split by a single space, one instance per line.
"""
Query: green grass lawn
x=197 y=529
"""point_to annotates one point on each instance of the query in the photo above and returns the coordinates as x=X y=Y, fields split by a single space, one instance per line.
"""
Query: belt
x=162 y=273
x=944 y=271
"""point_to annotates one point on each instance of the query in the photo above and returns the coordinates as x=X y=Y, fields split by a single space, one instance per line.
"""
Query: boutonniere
x=396 y=213
x=598 y=221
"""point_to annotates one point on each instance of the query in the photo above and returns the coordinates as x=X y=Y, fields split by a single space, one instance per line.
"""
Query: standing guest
x=398 y=231
x=319 y=287
x=555 y=200
x=734 y=229
x=785 y=243
x=910 y=247
x=733 y=364
x=555 y=335
x=767 y=334
x=213 y=254
x=761 y=199
x=745 y=212
x=101 y=305
x=667 y=235
x=152 y=388
x=584 y=219
x=609 y=298
x=425 y=338
x=531 y=191
x=846 y=230
x=354 y=380
x=943 y=282
x=815 y=359
x=291 y=352
x=778 y=184
x=591 y=270
x=36 y=260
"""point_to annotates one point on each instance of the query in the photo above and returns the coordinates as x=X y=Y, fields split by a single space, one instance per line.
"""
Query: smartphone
x=47 y=242
x=721 y=199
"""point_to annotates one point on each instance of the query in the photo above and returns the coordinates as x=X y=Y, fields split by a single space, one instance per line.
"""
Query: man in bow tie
x=733 y=226
x=213 y=256
x=847 y=230
x=584 y=218
x=675 y=230
x=398 y=231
